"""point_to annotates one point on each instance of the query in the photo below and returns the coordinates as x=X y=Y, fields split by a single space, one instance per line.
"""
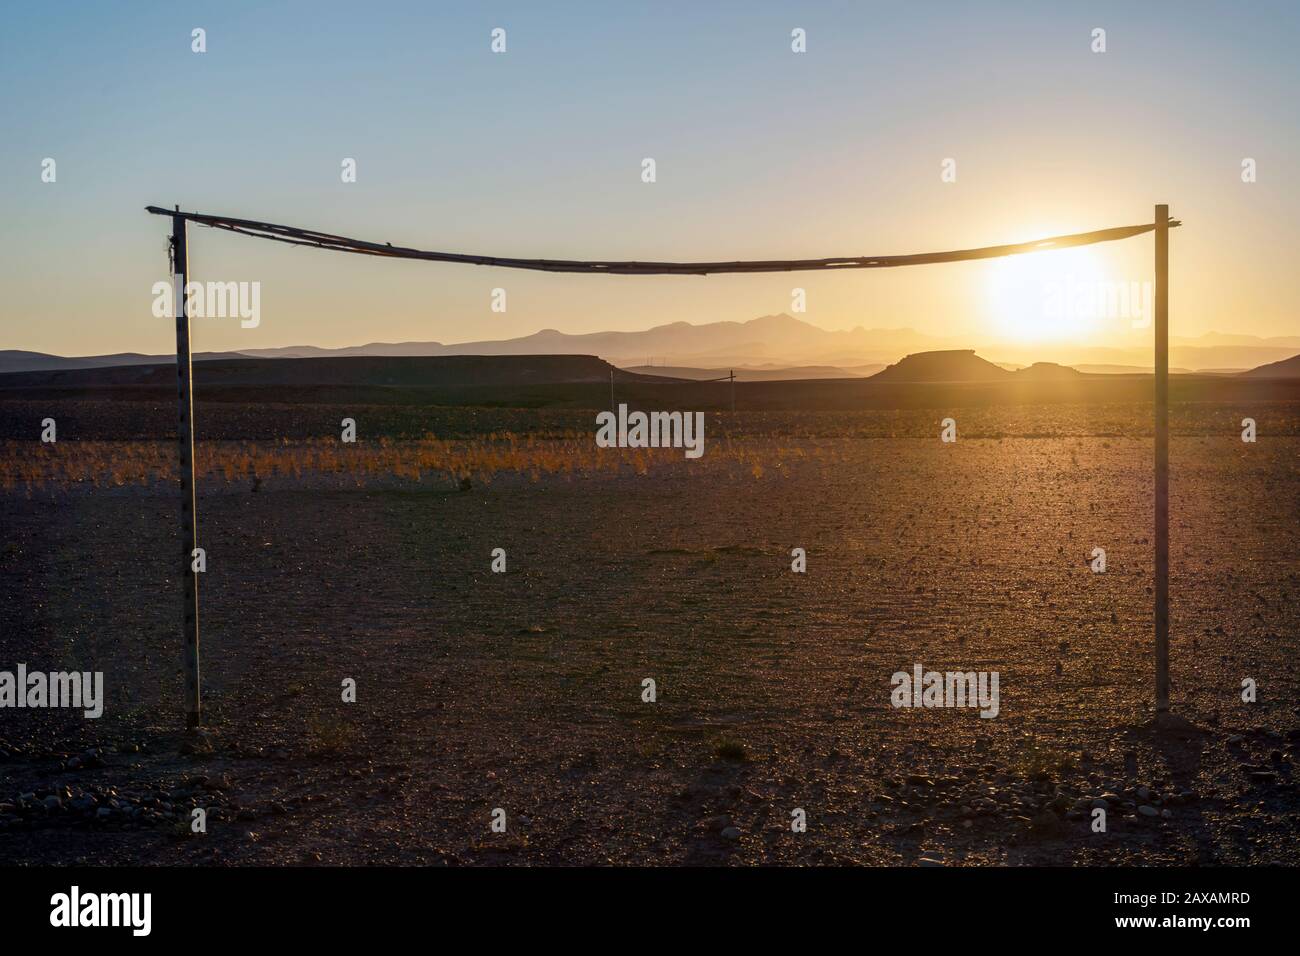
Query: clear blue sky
x=760 y=153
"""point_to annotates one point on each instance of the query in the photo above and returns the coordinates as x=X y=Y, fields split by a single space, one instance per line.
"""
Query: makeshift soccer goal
x=1160 y=225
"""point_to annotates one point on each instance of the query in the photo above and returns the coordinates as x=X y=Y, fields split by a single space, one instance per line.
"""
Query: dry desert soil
x=523 y=690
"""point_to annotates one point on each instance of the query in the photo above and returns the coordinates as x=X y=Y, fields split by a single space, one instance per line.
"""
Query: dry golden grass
x=28 y=466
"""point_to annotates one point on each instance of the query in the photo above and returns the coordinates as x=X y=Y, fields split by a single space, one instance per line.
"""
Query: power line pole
x=185 y=436
x=1162 y=459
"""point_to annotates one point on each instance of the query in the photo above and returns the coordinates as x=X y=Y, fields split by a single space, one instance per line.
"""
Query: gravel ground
x=523 y=690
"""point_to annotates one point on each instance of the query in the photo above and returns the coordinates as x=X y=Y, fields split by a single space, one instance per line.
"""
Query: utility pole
x=733 y=389
x=1162 y=459
x=185 y=436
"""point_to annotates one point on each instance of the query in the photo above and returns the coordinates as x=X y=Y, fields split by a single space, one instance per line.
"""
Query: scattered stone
x=731 y=833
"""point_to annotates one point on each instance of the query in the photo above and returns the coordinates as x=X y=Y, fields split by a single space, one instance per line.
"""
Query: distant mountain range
x=343 y=372
x=1287 y=368
x=768 y=347
x=772 y=340
x=15 y=360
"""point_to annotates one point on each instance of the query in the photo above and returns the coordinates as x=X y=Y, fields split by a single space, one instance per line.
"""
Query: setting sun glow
x=1046 y=296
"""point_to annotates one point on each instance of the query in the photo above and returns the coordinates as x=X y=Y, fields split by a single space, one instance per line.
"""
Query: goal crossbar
x=323 y=240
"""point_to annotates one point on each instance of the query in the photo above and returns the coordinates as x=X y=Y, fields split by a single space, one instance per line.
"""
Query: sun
x=1031 y=297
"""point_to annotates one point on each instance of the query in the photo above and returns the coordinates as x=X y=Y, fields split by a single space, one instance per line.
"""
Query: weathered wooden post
x=733 y=389
x=185 y=436
x=1162 y=458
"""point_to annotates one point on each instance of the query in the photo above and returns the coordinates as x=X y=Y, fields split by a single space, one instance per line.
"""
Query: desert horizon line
x=1217 y=337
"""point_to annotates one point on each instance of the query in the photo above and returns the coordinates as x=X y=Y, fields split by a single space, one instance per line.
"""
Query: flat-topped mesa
x=948 y=365
x=1047 y=372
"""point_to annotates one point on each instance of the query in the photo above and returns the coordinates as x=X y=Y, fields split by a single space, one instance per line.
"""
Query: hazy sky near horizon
x=760 y=153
